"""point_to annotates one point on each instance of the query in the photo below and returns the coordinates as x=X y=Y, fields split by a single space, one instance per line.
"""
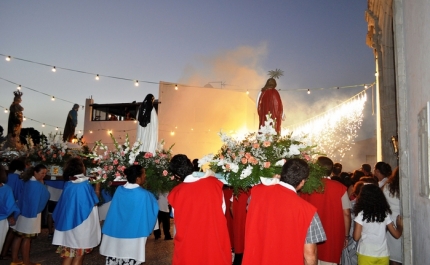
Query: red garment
x=330 y=211
x=270 y=101
x=228 y=192
x=201 y=228
x=276 y=226
x=239 y=219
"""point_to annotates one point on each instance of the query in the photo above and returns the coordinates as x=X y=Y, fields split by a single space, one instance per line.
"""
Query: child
x=136 y=210
x=9 y=211
x=77 y=227
x=31 y=203
x=371 y=221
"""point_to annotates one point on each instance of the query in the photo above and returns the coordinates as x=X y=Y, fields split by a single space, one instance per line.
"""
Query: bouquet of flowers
x=50 y=151
x=111 y=165
x=260 y=155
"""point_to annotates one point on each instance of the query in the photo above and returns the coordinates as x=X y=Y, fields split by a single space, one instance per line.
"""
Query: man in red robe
x=281 y=227
x=198 y=207
x=333 y=207
x=269 y=101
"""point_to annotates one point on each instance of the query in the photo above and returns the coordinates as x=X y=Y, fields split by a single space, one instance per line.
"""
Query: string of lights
x=136 y=81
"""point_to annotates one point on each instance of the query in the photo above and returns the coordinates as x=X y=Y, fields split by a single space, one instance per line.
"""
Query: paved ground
x=158 y=252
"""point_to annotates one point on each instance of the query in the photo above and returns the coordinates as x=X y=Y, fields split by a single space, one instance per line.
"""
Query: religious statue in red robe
x=269 y=101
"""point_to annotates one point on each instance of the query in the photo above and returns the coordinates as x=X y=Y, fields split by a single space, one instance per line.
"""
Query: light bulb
x=172 y=133
x=376 y=74
x=8 y=58
x=54 y=69
x=247 y=92
x=136 y=83
x=24 y=118
x=53 y=98
x=309 y=91
x=80 y=131
x=97 y=77
x=176 y=87
x=6 y=110
x=19 y=87
x=91 y=131
x=43 y=125
x=56 y=128
x=135 y=121
x=365 y=86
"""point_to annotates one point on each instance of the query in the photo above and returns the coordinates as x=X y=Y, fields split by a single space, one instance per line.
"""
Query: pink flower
x=266 y=164
x=157 y=161
x=115 y=161
x=135 y=163
x=148 y=155
x=117 y=174
x=104 y=176
x=227 y=167
x=119 y=167
x=122 y=168
x=307 y=157
x=172 y=178
x=253 y=160
x=244 y=160
x=256 y=145
x=110 y=167
x=266 y=143
x=105 y=168
x=165 y=172
x=248 y=155
x=122 y=153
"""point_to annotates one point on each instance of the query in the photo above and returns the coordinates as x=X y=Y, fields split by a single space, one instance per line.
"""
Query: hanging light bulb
x=19 y=87
x=136 y=83
x=309 y=91
x=80 y=131
x=172 y=133
x=97 y=77
x=6 y=110
x=24 y=118
x=247 y=92
x=365 y=86
x=43 y=125
x=53 y=98
x=91 y=131
x=54 y=69
x=56 y=128
x=376 y=74
x=8 y=58
x=176 y=87
x=135 y=121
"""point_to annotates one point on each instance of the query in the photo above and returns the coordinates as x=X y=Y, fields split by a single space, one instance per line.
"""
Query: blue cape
x=33 y=198
x=8 y=205
x=132 y=213
x=74 y=206
x=16 y=184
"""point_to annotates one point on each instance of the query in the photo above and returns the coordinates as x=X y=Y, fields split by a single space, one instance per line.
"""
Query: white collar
x=80 y=178
x=129 y=185
x=276 y=181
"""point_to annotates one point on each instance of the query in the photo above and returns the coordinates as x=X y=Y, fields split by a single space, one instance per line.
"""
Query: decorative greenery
x=261 y=154
x=111 y=165
x=276 y=73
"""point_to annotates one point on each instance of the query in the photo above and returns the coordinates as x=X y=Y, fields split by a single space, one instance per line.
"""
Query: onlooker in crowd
x=136 y=210
x=77 y=227
x=8 y=212
x=163 y=217
x=371 y=222
x=287 y=234
x=357 y=175
x=367 y=170
x=31 y=203
x=382 y=171
x=333 y=207
x=391 y=190
x=337 y=169
x=198 y=208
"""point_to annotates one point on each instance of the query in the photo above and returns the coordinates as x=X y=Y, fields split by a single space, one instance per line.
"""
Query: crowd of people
x=353 y=219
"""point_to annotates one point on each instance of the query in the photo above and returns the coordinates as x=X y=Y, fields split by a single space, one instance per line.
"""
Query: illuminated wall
x=191 y=117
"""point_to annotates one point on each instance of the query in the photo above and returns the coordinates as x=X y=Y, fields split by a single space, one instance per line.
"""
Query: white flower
x=246 y=172
x=205 y=160
x=234 y=167
x=280 y=162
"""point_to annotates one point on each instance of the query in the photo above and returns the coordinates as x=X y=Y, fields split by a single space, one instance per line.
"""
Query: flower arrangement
x=259 y=155
x=50 y=151
x=112 y=163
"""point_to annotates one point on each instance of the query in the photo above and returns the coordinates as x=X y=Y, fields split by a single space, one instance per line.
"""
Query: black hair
x=367 y=168
x=133 y=172
x=294 y=171
x=196 y=164
x=30 y=171
x=3 y=176
x=16 y=164
x=373 y=203
x=337 y=169
x=326 y=163
x=384 y=168
x=345 y=177
x=356 y=176
x=393 y=183
x=74 y=166
x=180 y=166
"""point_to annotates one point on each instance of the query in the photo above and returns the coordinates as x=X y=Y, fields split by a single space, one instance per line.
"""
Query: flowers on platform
x=112 y=163
x=50 y=151
x=262 y=154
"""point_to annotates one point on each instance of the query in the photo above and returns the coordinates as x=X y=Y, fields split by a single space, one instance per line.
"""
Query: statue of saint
x=147 y=127
x=269 y=101
x=14 y=123
x=71 y=123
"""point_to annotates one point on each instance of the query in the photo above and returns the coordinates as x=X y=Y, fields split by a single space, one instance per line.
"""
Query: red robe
x=201 y=228
x=330 y=211
x=239 y=219
x=270 y=101
x=228 y=192
x=276 y=226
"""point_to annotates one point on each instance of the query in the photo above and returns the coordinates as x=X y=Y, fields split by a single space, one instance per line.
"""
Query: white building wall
x=412 y=31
